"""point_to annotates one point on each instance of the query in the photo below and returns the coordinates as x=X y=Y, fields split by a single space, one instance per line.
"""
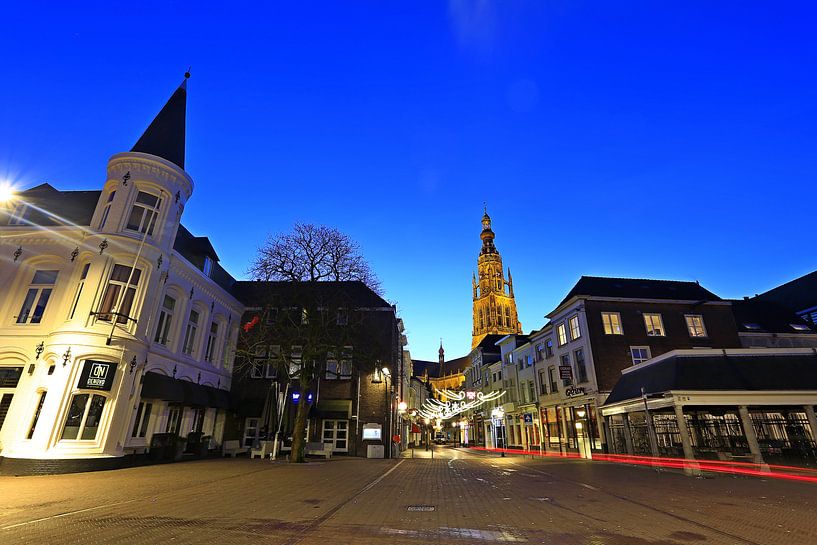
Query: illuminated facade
x=117 y=323
x=494 y=303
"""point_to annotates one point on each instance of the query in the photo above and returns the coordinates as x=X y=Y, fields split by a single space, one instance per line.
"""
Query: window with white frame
x=207 y=268
x=561 y=334
x=106 y=210
x=84 y=416
x=695 y=325
x=37 y=297
x=531 y=391
x=543 y=388
x=212 y=340
x=575 y=329
x=332 y=369
x=549 y=348
x=144 y=212
x=295 y=358
x=83 y=275
x=654 y=325
x=123 y=279
x=190 y=332
x=554 y=384
x=639 y=354
x=165 y=320
x=140 y=425
x=540 y=352
x=612 y=323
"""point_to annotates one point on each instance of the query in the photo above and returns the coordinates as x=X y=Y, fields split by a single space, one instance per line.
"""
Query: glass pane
x=74 y=419
x=40 y=308
x=342 y=424
x=138 y=418
x=93 y=418
x=45 y=277
x=147 y=198
x=341 y=434
x=135 y=218
x=340 y=445
x=85 y=271
x=25 y=310
x=329 y=424
x=127 y=302
x=169 y=303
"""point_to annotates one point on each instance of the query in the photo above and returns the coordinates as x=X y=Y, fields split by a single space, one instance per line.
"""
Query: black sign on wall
x=97 y=375
x=566 y=372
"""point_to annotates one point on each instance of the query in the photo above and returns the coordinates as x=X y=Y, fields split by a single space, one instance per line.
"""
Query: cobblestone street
x=456 y=497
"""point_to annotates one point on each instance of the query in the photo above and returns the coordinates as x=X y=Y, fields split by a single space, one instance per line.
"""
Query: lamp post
x=387 y=373
x=498 y=414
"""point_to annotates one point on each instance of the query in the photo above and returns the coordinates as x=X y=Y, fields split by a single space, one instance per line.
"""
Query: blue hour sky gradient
x=650 y=139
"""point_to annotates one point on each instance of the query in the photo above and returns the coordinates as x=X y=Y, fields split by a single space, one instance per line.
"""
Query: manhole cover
x=421 y=508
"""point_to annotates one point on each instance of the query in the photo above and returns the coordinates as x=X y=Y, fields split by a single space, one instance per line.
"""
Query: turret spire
x=165 y=136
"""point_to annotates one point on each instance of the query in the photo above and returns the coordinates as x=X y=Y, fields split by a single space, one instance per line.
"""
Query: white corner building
x=117 y=323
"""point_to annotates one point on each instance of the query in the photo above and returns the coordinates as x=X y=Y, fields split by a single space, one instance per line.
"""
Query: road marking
x=68 y=514
x=591 y=487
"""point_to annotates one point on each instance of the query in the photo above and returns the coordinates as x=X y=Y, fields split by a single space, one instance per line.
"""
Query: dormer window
x=208 y=266
x=144 y=213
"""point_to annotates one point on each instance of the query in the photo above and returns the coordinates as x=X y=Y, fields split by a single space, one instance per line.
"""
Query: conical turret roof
x=165 y=136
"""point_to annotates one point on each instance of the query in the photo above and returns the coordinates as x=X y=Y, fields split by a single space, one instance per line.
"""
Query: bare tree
x=303 y=333
x=313 y=252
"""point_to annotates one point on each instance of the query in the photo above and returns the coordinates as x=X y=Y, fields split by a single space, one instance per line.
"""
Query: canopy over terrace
x=753 y=403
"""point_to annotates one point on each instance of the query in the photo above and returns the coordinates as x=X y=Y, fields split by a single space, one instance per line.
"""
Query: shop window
x=123 y=278
x=84 y=415
x=37 y=296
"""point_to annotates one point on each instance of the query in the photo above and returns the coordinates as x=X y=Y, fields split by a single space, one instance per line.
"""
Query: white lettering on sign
x=98 y=374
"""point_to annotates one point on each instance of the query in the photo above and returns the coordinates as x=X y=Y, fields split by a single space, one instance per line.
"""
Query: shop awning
x=156 y=386
x=750 y=371
x=220 y=399
x=195 y=394
x=340 y=409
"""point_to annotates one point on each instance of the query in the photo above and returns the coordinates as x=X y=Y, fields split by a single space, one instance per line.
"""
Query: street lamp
x=402 y=406
x=498 y=413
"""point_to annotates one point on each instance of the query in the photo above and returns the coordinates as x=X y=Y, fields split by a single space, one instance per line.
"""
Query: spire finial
x=485 y=207
x=187 y=74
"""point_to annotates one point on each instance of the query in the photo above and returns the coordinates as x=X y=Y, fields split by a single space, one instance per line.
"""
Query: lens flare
x=7 y=192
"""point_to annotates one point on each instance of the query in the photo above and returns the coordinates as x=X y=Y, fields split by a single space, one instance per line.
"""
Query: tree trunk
x=299 y=433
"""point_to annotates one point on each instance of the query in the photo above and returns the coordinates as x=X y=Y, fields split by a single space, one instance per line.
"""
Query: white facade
x=63 y=290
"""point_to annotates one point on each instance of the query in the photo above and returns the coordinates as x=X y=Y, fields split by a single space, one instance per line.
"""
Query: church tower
x=494 y=304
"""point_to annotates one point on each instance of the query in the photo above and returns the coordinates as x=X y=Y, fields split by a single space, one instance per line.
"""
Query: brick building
x=350 y=393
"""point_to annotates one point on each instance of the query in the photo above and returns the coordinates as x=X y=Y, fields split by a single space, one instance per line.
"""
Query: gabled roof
x=690 y=372
x=768 y=316
x=796 y=295
x=165 y=136
x=639 y=288
x=254 y=293
x=450 y=367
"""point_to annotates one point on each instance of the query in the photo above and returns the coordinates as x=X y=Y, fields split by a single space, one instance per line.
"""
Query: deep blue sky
x=657 y=139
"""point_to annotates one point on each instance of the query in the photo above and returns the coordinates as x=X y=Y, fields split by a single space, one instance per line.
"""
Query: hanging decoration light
x=457 y=402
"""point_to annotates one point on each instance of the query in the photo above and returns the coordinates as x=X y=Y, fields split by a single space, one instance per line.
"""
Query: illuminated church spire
x=494 y=304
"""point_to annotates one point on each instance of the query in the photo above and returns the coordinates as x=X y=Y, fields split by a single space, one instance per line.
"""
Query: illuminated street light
x=386 y=372
x=402 y=406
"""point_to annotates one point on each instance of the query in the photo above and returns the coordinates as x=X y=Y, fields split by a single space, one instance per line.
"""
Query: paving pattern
x=456 y=497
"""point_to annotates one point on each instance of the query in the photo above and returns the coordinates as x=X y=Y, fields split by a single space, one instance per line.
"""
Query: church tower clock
x=494 y=304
